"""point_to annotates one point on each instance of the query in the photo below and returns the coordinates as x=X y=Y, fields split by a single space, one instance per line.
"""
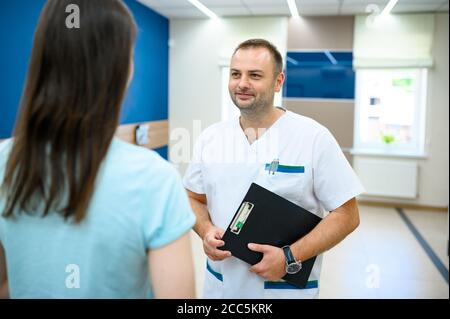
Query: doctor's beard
x=260 y=105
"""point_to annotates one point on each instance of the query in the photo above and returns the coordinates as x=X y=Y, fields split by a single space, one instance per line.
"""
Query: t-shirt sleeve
x=2 y=232
x=193 y=177
x=5 y=148
x=335 y=182
x=172 y=215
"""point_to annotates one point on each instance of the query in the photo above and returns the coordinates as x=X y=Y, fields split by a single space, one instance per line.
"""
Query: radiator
x=388 y=178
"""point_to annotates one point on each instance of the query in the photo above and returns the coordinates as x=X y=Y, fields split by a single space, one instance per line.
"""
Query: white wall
x=198 y=48
x=434 y=187
x=433 y=171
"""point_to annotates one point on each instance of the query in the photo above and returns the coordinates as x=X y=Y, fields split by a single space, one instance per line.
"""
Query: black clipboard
x=264 y=217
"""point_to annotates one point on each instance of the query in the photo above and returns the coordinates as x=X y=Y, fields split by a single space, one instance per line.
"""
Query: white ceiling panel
x=184 y=9
x=443 y=7
x=264 y=2
x=365 y=2
x=232 y=11
x=166 y=3
x=316 y=2
x=355 y=9
x=181 y=13
x=317 y=11
x=437 y=2
x=325 y=6
x=415 y=7
x=269 y=10
x=218 y=3
x=359 y=8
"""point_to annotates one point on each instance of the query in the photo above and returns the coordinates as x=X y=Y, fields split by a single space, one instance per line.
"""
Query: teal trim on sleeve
x=214 y=273
x=285 y=285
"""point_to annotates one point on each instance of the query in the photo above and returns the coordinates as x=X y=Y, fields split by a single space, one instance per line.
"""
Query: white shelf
x=387 y=153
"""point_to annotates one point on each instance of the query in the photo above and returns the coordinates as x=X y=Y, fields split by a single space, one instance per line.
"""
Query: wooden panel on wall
x=338 y=117
x=158 y=133
x=321 y=33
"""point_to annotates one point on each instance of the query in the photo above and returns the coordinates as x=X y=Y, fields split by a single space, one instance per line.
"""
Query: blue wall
x=17 y=23
x=148 y=93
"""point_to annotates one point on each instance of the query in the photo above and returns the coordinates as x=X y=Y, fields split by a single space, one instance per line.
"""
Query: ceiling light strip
x=293 y=8
x=389 y=7
x=203 y=9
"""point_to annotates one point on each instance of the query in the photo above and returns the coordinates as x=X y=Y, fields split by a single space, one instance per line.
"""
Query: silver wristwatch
x=292 y=266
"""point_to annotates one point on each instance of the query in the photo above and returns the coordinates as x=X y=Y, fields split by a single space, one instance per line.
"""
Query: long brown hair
x=70 y=107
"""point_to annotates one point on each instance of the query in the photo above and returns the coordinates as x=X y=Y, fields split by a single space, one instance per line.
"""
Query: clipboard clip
x=241 y=217
x=274 y=166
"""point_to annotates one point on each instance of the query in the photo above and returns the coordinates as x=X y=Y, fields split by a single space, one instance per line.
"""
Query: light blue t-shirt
x=139 y=203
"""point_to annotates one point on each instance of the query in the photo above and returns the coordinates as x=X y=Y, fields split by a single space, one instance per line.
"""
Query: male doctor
x=311 y=172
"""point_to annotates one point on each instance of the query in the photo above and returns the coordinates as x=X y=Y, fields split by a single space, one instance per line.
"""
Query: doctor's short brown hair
x=261 y=43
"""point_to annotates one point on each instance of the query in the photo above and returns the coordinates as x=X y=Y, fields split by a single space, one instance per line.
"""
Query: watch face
x=293 y=268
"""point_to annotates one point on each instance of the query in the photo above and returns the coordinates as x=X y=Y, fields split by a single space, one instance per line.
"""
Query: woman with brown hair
x=84 y=215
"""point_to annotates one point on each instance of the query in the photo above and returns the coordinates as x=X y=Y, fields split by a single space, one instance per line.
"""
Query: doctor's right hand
x=211 y=241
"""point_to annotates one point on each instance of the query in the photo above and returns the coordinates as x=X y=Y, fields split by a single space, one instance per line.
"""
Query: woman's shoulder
x=5 y=149
x=5 y=145
x=137 y=159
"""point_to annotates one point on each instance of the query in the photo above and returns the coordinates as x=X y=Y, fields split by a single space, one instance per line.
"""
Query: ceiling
x=183 y=9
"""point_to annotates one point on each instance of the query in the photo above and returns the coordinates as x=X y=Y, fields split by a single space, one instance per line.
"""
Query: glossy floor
x=383 y=258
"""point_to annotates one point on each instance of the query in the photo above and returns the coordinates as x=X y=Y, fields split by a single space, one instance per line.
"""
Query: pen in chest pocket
x=273 y=166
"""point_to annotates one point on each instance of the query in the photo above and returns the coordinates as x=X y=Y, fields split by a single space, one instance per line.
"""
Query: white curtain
x=393 y=41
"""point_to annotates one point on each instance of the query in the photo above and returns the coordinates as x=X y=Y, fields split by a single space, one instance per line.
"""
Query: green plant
x=388 y=138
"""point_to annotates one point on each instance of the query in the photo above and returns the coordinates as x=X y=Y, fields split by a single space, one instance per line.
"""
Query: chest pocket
x=288 y=181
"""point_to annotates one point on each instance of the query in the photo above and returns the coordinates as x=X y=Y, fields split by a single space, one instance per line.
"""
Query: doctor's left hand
x=273 y=264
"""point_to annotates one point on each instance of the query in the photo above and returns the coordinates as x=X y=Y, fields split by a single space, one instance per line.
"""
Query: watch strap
x=288 y=254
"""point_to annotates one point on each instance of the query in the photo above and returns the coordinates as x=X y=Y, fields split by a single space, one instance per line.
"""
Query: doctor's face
x=252 y=83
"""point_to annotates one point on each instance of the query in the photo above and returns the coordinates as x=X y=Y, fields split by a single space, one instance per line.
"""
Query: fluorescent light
x=330 y=57
x=291 y=60
x=203 y=9
x=387 y=9
x=293 y=8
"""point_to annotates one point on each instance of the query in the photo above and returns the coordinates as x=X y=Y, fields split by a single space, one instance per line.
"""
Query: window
x=390 y=110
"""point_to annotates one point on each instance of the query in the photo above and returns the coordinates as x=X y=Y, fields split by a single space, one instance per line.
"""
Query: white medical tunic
x=312 y=173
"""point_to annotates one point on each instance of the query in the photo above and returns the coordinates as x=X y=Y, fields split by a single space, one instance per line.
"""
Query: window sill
x=387 y=153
